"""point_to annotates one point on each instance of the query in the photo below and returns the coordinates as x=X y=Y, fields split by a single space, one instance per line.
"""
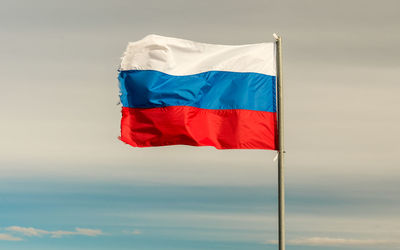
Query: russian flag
x=176 y=91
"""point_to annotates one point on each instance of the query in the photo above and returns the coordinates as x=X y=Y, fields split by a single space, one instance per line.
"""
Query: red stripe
x=222 y=128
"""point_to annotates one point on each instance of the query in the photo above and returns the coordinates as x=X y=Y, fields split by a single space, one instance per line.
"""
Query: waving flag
x=176 y=91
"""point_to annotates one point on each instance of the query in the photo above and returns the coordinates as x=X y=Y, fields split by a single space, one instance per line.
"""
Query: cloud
x=134 y=232
x=78 y=231
x=30 y=231
x=9 y=237
x=326 y=241
x=88 y=232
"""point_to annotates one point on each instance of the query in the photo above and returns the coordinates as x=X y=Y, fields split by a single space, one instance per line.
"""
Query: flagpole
x=281 y=151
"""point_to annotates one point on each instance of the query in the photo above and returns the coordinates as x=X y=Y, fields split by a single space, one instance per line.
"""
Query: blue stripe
x=208 y=90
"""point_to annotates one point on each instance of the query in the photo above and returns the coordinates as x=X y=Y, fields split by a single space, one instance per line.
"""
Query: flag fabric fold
x=176 y=91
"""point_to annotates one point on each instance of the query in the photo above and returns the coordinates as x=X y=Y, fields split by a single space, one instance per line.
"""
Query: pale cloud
x=78 y=231
x=134 y=232
x=327 y=241
x=30 y=231
x=88 y=231
x=9 y=237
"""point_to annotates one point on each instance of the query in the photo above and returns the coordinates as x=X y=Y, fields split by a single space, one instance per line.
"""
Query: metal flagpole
x=281 y=151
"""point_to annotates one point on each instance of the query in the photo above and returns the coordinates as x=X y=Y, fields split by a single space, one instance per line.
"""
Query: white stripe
x=183 y=57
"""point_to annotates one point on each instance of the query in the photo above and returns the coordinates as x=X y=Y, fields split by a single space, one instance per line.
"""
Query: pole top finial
x=275 y=36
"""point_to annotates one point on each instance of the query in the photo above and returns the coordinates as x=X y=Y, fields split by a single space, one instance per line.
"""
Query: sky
x=67 y=182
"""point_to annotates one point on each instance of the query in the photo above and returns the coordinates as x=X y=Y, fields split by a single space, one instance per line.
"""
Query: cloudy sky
x=67 y=182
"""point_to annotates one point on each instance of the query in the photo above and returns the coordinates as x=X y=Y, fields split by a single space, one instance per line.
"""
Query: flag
x=176 y=91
